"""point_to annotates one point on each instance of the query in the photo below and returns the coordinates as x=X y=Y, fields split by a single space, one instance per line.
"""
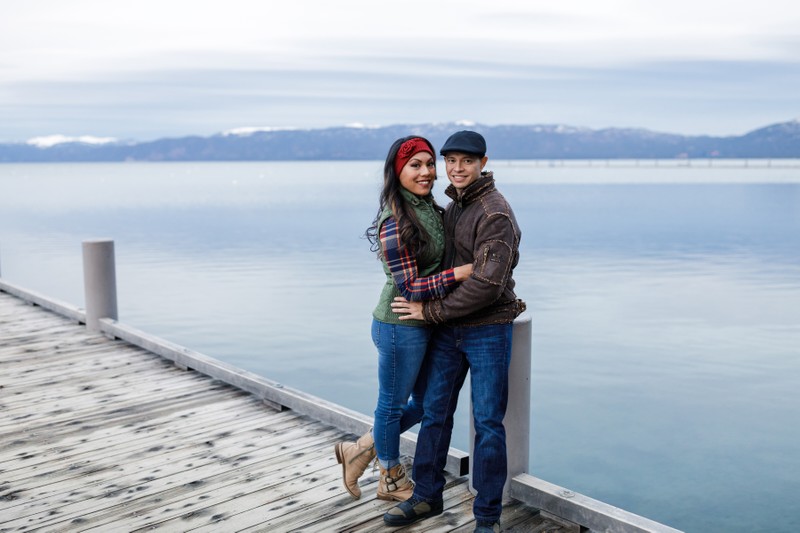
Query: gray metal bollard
x=99 y=281
x=517 y=421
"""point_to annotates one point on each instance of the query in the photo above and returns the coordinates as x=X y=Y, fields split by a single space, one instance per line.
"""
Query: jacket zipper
x=451 y=259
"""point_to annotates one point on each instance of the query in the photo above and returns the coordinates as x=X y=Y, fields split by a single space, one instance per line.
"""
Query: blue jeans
x=486 y=352
x=402 y=376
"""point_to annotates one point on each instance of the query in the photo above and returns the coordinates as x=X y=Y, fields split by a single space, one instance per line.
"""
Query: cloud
x=680 y=97
x=48 y=39
x=151 y=69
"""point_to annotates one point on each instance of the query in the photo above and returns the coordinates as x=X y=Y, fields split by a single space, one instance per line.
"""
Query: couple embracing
x=447 y=307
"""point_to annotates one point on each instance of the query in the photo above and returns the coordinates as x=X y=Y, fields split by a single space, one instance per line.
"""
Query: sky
x=151 y=69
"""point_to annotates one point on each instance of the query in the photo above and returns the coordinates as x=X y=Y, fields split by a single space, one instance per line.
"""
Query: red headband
x=407 y=150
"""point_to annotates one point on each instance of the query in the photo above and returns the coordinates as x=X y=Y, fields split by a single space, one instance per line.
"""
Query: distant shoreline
x=536 y=142
x=696 y=163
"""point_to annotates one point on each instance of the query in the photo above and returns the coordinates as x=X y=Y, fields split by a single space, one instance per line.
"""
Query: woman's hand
x=463 y=272
x=407 y=310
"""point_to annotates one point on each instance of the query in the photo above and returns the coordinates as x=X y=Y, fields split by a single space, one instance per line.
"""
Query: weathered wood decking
x=97 y=434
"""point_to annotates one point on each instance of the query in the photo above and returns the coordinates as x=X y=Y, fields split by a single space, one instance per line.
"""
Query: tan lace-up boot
x=355 y=458
x=395 y=484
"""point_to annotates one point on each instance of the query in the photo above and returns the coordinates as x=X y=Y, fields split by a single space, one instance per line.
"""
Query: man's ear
x=484 y=159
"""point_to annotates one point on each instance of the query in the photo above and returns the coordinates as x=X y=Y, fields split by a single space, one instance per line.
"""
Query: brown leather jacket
x=480 y=228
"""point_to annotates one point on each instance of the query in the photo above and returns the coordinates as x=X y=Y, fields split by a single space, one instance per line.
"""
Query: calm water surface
x=665 y=304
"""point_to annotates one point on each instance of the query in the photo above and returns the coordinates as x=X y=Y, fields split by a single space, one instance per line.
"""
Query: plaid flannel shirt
x=403 y=267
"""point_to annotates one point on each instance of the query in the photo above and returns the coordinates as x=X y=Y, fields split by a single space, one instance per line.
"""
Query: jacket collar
x=483 y=185
x=412 y=198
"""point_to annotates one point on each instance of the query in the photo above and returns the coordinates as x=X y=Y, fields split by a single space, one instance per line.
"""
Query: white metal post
x=99 y=281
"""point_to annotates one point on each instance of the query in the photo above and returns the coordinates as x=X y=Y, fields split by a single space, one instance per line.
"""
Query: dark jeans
x=486 y=352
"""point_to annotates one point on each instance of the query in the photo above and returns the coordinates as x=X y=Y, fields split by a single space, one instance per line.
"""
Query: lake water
x=665 y=303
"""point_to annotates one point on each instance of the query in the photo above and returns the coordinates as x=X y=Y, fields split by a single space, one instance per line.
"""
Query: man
x=474 y=326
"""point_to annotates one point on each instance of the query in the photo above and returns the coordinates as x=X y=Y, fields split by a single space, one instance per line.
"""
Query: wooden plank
x=81 y=388
x=84 y=394
x=90 y=393
x=18 y=380
x=129 y=416
x=45 y=463
x=590 y=513
x=67 y=420
x=176 y=449
x=314 y=467
x=124 y=503
x=313 y=406
x=104 y=474
x=61 y=354
x=322 y=507
x=185 y=417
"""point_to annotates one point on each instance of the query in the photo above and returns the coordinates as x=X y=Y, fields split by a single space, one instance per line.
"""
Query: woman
x=408 y=236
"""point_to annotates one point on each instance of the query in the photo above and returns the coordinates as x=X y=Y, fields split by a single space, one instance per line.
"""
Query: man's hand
x=408 y=310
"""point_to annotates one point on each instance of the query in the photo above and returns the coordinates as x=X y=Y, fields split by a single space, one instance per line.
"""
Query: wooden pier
x=97 y=434
x=106 y=428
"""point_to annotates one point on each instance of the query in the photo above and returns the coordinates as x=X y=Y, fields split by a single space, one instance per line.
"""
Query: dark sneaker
x=410 y=511
x=487 y=527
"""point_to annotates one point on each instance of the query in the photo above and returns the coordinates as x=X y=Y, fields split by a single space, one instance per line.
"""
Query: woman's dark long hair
x=411 y=232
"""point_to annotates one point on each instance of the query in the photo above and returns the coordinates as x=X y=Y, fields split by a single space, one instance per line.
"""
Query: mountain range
x=371 y=143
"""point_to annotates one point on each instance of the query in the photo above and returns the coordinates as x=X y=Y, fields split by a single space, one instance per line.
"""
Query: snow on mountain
x=49 y=141
x=361 y=126
x=250 y=130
